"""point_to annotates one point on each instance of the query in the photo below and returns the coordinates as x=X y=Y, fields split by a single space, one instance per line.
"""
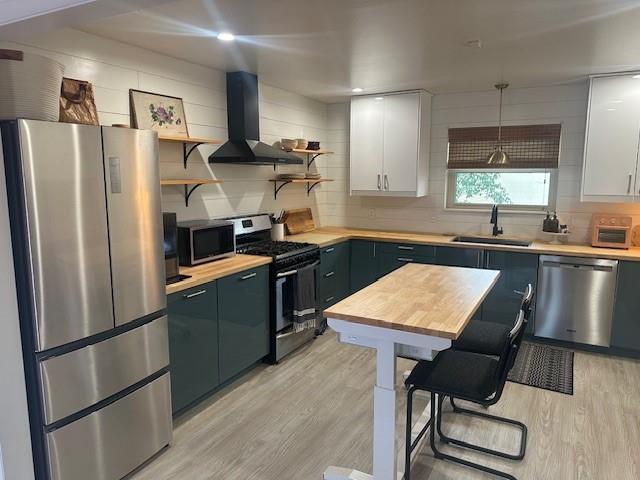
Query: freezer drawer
x=110 y=443
x=68 y=243
x=79 y=379
x=135 y=222
x=575 y=299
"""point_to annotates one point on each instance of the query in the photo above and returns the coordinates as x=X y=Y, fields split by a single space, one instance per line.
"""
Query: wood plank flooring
x=315 y=409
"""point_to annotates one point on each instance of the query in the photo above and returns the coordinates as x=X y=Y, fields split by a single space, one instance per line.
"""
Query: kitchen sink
x=492 y=241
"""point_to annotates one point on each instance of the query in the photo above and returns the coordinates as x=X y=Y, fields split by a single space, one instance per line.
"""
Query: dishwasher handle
x=577 y=266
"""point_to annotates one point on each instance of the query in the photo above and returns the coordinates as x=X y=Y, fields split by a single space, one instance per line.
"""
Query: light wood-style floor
x=315 y=409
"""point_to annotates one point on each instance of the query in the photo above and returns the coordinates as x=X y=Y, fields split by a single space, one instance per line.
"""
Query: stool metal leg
x=411 y=445
x=521 y=426
x=435 y=418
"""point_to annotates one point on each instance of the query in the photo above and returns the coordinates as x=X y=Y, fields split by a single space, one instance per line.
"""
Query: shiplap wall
x=114 y=68
x=566 y=104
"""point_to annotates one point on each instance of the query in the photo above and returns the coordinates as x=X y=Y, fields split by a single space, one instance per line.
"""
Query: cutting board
x=298 y=220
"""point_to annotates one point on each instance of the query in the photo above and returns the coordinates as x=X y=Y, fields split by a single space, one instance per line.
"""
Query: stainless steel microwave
x=202 y=241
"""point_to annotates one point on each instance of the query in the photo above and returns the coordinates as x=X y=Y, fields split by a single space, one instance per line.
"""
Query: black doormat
x=542 y=366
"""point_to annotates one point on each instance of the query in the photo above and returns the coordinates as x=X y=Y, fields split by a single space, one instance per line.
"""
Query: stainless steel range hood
x=244 y=146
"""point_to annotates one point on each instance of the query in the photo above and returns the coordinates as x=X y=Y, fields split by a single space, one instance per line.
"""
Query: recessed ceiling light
x=636 y=76
x=226 y=36
x=356 y=90
x=379 y=98
x=474 y=43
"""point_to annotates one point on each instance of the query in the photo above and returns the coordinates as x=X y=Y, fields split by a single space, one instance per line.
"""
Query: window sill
x=503 y=211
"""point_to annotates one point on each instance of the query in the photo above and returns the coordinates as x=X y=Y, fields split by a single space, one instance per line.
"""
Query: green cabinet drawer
x=459 y=257
x=333 y=286
x=363 y=263
x=517 y=270
x=193 y=344
x=403 y=249
x=243 y=301
x=334 y=257
x=625 y=332
x=391 y=261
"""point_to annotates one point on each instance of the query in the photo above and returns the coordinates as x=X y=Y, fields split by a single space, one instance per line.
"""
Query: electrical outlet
x=372 y=213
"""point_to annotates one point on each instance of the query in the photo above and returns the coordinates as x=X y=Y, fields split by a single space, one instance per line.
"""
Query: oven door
x=210 y=243
x=284 y=297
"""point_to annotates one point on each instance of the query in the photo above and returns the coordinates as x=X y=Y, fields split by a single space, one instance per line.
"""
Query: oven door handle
x=293 y=272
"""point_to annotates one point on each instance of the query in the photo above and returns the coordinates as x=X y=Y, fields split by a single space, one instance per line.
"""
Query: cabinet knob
x=629 y=184
x=247 y=277
x=386 y=182
x=330 y=274
x=379 y=184
x=195 y=294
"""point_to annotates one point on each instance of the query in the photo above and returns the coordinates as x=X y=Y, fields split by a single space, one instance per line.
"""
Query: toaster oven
x=611 y=231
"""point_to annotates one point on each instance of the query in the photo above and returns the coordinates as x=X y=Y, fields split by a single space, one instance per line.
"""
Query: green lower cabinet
x=459 y=257
x=363 y=263
x=333 y=274
x=517 y=270
x=625 y=332
x=193 y=344
x=243 y=315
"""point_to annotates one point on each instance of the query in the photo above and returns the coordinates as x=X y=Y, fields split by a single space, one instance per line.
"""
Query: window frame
x=450 y=190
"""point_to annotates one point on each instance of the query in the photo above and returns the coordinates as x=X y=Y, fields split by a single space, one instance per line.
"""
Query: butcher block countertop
x=425 y=299
x=331 y=235
x=208 y=272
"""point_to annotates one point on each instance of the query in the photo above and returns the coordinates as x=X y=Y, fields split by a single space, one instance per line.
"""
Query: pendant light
x=498 y=156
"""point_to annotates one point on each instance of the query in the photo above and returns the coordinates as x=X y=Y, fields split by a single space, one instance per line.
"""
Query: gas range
x=276 y=250
x=253 y=237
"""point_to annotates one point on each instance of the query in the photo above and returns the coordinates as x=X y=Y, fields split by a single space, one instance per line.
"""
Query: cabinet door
x=401 y=127
x=243 y=301
x=516 y=271
x=613 y=130
x=626 y=321
x=366 y=146
x=193 y=344
x=364 y=264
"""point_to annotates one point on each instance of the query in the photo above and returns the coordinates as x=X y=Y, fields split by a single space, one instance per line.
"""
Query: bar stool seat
x=482 y=337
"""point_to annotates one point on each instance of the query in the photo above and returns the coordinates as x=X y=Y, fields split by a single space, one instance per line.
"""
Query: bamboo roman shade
x=528 y=146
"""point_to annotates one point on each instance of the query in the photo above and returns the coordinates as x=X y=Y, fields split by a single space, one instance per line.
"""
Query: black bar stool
x=467 y=376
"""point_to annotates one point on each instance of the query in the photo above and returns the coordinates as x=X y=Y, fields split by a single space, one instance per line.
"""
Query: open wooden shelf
x=196 y=182
x=199 y=140
x=311 y=182
x=195 y=142
x=311 y=154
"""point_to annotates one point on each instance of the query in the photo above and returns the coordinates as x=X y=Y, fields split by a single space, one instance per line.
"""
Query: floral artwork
x=161 y=113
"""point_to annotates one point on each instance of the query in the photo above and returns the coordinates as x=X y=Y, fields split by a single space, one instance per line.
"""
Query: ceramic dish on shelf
x=302 y=143
x=291 y=176
x=313 y=145
x=288 y=144
x=314 y=176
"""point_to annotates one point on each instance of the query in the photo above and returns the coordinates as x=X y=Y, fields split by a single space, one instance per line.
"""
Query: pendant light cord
x=500 y=120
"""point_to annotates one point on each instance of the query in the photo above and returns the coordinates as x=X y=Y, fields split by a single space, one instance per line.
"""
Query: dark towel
x=304 y=299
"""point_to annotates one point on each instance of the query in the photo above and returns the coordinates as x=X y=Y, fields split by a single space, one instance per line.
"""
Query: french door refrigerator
x=86 y=227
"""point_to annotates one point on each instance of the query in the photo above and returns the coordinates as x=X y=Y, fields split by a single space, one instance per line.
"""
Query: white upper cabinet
x=612 y=140
x=390 y=136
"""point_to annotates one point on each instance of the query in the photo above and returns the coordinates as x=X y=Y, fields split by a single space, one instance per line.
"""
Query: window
x=515 y=189
x=528 y=182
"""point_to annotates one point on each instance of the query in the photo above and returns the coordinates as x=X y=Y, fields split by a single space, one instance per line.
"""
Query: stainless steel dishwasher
x=575 y=299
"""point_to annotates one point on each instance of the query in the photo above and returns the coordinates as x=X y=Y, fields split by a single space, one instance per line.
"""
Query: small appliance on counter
x=201 y=241
x=171 y=267
x=553 y=228
x=611 y=231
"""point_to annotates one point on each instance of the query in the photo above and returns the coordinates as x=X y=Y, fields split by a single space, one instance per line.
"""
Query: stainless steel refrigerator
x=86 y=227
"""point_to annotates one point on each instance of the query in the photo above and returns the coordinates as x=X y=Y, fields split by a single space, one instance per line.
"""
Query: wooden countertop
x=208 y=272
x=330 y=235
x=425 y=299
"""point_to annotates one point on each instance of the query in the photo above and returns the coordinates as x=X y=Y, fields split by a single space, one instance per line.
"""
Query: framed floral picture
x=161 y=113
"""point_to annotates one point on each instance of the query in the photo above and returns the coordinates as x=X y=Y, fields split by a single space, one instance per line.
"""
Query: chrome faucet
x=494 y=220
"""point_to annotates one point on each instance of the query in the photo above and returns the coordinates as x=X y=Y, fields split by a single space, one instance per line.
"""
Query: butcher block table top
x=424 y=299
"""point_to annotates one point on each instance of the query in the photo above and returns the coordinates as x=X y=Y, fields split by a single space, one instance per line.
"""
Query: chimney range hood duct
x=244 y=146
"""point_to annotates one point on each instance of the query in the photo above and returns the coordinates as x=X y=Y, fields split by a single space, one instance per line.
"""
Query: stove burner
x=272 y=248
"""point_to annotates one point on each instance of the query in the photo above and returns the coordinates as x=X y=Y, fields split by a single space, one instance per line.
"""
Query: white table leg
x=384 y=413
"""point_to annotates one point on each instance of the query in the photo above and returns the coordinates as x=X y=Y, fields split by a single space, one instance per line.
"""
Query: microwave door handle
x=293 y=272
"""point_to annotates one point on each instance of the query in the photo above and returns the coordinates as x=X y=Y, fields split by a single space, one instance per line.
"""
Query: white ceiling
x=323 y=48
